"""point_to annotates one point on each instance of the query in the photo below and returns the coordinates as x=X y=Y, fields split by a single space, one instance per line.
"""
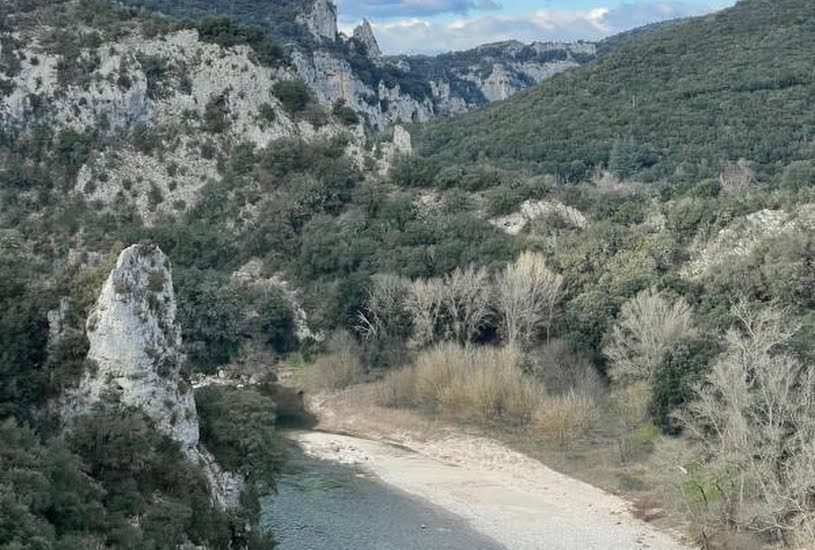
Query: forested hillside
x=673 y=104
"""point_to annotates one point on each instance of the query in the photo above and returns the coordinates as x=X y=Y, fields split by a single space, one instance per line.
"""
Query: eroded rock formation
x=136 y=358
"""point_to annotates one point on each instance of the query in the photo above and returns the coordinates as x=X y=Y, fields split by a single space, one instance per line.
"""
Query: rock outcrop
x=136 y=357
x=364 y=34
x=135 y=347
x=514 y=223
x=400 y=145
x=493 y=72
x=321 y=21
x=744 y=235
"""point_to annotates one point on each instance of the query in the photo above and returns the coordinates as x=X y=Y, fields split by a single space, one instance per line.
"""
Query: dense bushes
x=340 y=367
x=115 y=466
x=293 y=94
x=276 y=322
x=210 y=316
x=225 y=32
x=481 y=384
x=23 y=336
x=238 y=426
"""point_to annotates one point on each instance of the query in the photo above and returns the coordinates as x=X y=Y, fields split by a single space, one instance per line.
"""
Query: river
x=322 y=505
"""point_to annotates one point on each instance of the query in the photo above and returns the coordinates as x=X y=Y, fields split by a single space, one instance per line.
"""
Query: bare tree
x=527 y=294
x=424 y=303
x=385 y=307
x=754 y=417
x=468 y=301
x=648 y=325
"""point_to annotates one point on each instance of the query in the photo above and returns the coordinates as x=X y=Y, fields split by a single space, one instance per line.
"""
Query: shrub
x=649 y=324
x=629 y=413
x=315 y=114
x=527 y=294
x=561 y=370
x=155 y=71
x=340 y=368
x=293 y=94
x=754 y=421
x=471 y=383
x=276 y=322
x=227 y=33
x=565 y=418
x=345 y=114
x=413 y=171
x=238 y=427
x=397 y=389
x=799 y=175
x=266 y=113
x=683 y=367
x=209 y=312
x=216 y=115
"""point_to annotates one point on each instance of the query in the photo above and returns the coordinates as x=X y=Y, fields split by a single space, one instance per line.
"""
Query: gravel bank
x=515 y=500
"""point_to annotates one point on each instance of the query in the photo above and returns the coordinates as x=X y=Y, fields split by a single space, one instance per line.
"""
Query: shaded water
x=326 y=506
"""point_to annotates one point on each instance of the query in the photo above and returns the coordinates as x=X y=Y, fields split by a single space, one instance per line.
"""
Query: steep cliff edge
x=387 y=89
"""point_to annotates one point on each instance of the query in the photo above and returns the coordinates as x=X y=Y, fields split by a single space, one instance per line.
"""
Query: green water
x=325 y=506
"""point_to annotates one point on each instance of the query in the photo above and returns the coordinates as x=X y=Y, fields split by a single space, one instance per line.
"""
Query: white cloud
x=412 y=8
x=426 y=35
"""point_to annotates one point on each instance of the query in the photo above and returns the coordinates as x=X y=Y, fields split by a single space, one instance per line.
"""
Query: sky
x=433 y=26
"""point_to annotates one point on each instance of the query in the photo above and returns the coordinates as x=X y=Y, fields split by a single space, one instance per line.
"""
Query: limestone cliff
x=493 y=72
x=321 y=20
x=388 y=89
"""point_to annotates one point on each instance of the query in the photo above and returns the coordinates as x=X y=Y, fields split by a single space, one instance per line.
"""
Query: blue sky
x=432 y=26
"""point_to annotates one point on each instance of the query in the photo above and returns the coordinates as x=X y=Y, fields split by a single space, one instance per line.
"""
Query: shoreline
x=505 y=495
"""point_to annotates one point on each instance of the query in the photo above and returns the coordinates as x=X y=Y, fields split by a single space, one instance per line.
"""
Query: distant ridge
x=674 y=101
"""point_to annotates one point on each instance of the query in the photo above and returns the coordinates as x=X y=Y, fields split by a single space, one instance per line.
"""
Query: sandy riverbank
x=511 y=498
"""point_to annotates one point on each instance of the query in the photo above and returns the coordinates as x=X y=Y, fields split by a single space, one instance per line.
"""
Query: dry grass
x=340 y=368
x=565 y=418
x=397 y=390
x=470 y=383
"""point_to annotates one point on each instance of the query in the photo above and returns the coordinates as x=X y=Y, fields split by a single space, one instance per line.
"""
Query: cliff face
x=494 y=72
x=388 y=90
x=321 y=20
x=180 y=95
x=364 y=34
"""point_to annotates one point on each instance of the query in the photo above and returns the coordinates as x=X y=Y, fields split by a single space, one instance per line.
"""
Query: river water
x=326 y=506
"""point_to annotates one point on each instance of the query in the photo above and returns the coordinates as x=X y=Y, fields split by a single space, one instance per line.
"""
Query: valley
x=258 y=276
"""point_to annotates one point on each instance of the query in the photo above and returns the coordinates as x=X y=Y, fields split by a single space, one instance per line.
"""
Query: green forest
x=667 y=105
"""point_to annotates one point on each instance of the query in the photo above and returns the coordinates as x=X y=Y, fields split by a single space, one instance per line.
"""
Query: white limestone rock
x=321 y=21
x=743 y=236
x=332 y=79
x=514 y=223
x=135 y=347
x=135 y=350
x=364 y=33
x=400 y=145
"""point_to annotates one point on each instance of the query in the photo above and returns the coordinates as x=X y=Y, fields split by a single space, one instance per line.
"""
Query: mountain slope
x=389 y=89
x=677 y=103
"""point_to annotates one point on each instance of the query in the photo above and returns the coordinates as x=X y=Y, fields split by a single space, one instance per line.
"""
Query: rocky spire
x=364 y=33
x=135 y=347
x=136 y=358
